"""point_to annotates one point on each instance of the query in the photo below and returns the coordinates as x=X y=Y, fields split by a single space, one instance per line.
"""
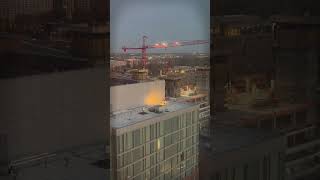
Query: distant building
x=139 y=74
x=173 y=85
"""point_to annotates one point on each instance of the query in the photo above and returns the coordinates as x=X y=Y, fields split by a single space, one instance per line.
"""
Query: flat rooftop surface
x=235 y=115
x=282 y=107
x=129 y=117
x=233 y=138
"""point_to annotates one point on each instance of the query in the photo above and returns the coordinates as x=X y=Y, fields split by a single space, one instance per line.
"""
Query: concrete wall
x=134 y=95
x=53 y=112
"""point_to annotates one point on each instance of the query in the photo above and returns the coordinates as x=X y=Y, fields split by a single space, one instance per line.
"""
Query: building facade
x=164 y=147
x=156 y=138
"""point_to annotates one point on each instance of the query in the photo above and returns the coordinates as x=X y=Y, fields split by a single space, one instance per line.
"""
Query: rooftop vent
x=143 y=111
x=157 y=109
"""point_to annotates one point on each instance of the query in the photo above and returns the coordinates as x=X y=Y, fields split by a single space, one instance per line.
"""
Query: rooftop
x=235 y=115
x=281 y=108
x=122 y=119
x=233 y=138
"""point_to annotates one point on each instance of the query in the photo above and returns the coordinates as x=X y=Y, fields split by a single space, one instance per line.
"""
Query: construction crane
x=163 y=45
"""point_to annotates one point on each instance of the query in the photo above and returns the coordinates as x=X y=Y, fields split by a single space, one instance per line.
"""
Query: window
x=194 y=117
x=129 y=140
x=188 y=119
x=152 y=132
x=130 y=170
x=147 y=133
x=137 y=167
x=147 y=162
x=176 y=123
x=162 y=128
x=169 y=152
x=119 y=162
x=188 y=131
x=136 y=138
x=147 y=149
x=158 y=130
x=137 y=154
x=127 y=158
x=168 y=126
x=183 y=121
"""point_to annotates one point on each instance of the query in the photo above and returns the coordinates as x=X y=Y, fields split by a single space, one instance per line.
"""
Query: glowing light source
x=153 y=98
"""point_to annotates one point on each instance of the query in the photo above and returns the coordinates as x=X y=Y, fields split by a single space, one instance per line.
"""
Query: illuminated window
x=158 y=144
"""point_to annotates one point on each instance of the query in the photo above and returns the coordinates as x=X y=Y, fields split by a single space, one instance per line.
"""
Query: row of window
x=135 y=138
x=150 y=151
x=168 y=169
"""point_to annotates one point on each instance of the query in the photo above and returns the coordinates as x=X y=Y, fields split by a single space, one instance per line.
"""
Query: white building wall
x=135 y=95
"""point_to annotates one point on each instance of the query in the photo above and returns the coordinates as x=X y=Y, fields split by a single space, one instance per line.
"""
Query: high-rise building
x=154 y=141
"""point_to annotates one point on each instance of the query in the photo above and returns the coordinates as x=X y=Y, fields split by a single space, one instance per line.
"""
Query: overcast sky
x=160 y=20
